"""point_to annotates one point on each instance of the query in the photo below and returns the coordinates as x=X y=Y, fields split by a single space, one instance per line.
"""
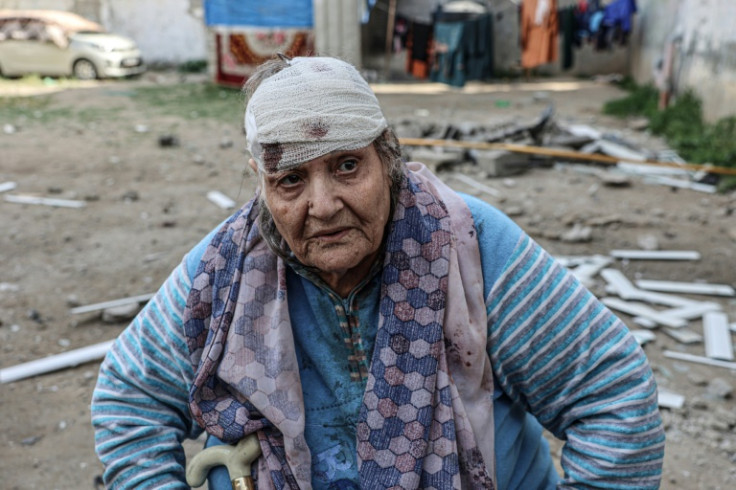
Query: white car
x=57 y=43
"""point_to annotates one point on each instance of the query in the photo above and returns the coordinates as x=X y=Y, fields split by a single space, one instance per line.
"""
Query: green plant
x=192 y=101
x=681 y=124
x=193 y=66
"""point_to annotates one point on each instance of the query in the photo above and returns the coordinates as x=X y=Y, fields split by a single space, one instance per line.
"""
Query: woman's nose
x=324 y=198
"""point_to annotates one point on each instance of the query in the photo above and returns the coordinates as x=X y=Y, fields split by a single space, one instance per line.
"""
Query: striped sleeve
x=569 y=361
x=139 y=406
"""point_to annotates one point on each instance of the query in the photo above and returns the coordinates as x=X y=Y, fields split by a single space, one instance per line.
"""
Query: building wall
x=703 y=43
x=167 y=31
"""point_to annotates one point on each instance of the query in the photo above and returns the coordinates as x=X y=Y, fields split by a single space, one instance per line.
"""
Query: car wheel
x=84 y=70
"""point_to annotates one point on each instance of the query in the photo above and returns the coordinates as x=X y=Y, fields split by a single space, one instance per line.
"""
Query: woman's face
x=332 y=212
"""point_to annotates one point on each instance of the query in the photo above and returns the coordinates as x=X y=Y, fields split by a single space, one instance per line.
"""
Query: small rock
x=648 y=242
x=226 y=143
x=141 y=128
x=72 y=301
x=30 y=441
x=720 y=388
x=699 y=404
x=9 y=129
x=168 y=141
x=35 y=316
x=131 y=196
x=697 y=380
x=578 y=234
x=514 y=211
x=638 y=124
x=615 y=179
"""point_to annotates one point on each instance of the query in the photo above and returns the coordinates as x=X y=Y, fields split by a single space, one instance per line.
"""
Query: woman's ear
x=253 y=165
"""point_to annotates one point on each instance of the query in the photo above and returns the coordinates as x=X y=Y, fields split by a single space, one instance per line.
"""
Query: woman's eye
x=348 y=165
x=290 y=180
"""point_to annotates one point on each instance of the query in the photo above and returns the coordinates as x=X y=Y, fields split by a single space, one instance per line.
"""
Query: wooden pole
x=555 y=152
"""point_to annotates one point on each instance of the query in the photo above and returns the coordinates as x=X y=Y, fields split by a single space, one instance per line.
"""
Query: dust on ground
x=144 y=173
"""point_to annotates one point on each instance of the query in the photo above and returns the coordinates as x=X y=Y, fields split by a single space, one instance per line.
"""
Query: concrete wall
x=167 y=31
x=704 y=49
x=338 y=22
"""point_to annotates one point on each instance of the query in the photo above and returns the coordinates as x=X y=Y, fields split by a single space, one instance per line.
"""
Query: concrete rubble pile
x=702 y=329
x=539 y=143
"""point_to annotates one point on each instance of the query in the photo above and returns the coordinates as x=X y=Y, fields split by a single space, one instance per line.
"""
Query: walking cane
x=237 y=459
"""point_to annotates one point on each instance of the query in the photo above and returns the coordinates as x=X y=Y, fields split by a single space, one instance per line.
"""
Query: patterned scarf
x=427 y=414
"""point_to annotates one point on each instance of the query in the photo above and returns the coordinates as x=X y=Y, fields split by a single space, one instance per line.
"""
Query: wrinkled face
x=332 y=212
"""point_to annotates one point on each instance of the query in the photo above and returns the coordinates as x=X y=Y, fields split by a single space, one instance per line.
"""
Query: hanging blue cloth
x=254 y=13
x=618 y=14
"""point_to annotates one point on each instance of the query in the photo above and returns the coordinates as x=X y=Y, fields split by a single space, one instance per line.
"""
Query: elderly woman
x=374 y=328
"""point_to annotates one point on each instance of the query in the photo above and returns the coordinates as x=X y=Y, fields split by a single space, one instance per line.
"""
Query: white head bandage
x=311 y=108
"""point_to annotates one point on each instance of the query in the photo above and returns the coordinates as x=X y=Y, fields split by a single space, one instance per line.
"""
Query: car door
x=29 y=49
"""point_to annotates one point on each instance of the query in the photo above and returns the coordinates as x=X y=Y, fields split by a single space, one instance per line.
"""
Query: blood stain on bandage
x=272 y=153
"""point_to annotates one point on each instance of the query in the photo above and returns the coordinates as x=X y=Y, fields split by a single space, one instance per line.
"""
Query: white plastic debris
x=686 y=287
x=220 y=199
x=718 y=344
x=656 y=254
x=44 y=201
x=670 y=399
x=53 y=363
x=7 y=186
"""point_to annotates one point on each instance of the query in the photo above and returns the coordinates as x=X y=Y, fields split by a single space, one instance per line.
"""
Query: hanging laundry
x=462 y=47
x=539 y=29
x=617 y=21
x=418 y=49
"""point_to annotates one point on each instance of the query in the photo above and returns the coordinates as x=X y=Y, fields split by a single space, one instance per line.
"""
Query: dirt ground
x=146 y=205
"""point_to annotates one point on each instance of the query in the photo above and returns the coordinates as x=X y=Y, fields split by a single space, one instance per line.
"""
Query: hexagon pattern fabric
x=414 y=429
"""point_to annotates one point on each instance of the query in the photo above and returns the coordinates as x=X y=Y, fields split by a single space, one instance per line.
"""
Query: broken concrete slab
x=693 y=311
x=684 y=335
x=141 y=298
x=670 y=399
x=686 y=287
x=622 y=152
x=500 y=163
x=643 y=336
x=53 y=363
x=620 y=285
x=44 y=201
x=220 y=199
x=122 y=313
x=683 y=356
x=642 y=310
x=586 y=271
x=7 y=186
x=681 y=184
x=656 y=254
x=718 y=344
